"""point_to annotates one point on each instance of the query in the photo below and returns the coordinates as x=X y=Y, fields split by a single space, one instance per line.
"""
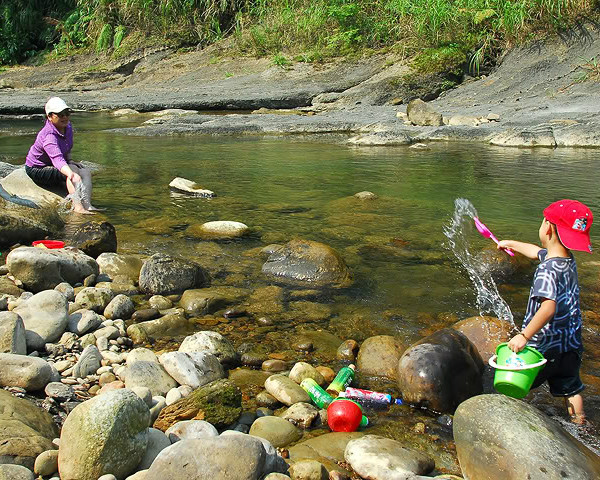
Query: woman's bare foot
x=578 y=419
x=95 y=209
x=83 y=211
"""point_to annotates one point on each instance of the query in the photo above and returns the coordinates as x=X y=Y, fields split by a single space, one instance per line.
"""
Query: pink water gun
x=485 y=232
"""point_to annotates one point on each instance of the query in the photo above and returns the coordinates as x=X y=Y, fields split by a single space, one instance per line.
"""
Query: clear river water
x=407 y=278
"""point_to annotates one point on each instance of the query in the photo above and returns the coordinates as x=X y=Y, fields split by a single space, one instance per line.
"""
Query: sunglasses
x=63 y=114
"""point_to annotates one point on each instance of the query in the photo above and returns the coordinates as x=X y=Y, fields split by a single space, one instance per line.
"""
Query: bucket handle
x=493 y=364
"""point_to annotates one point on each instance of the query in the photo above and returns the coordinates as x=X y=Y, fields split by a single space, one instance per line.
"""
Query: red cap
x=573 y=221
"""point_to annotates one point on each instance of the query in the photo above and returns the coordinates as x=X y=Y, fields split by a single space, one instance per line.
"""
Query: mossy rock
x=218 y=402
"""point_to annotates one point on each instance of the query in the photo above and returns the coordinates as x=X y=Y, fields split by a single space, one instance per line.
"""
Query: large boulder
x=231 y=457
x=18 y=183
x=25 y=430
x=107 y=434
x=30 y=373
x=12 y=334
x=378 y=356
x=45 y=316
x=421 y=113
x=42 y=269
x=308 y=263
x=165 y=275
x=94 y=238
x=114 y=264
x=485 y=333
x=219 y=403
x=440 y=371
x=499 y=437
x=21 y=224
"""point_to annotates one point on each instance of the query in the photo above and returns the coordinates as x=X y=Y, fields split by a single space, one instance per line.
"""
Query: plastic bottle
x=341 y=380
x=368 y=398
x=319 y=396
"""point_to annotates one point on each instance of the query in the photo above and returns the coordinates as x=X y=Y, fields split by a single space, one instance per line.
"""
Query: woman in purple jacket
x=49 y=162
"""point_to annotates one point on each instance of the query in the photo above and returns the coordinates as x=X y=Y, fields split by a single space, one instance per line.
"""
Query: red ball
x=344 y=416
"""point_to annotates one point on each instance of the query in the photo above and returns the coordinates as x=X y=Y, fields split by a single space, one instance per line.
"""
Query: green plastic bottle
x=341 y=380
x=319 y=396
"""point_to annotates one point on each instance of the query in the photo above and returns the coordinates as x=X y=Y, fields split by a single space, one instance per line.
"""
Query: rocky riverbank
x=544 y=94
x=120 y=366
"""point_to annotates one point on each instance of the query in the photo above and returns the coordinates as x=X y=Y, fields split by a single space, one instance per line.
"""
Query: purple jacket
x=50 y=147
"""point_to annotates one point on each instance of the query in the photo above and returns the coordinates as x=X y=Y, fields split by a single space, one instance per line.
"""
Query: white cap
x=55 y=105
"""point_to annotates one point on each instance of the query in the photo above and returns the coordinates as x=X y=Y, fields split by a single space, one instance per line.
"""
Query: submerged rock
x=501 y=437
x=95 y=238
x=309 y=263
x=440 y=371
x=379 y=356
x=219 y=230
x=165 y=275
x=188 y=186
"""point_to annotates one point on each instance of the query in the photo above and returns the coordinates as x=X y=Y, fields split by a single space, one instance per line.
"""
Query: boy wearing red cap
x=552 y=322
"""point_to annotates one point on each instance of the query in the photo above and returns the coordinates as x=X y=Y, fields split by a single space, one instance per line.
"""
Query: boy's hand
x=503 y=244
x=517 y=343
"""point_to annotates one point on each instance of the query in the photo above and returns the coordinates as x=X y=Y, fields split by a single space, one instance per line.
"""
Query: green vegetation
x=26 y=27
x=442 y=32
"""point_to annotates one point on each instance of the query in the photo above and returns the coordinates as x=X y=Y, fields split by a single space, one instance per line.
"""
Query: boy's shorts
x=562 y=374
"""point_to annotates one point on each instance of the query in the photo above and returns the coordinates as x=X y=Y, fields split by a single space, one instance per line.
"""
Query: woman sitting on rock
x=49 y=162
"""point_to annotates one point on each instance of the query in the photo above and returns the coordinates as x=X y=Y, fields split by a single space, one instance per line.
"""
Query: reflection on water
x=406 y=277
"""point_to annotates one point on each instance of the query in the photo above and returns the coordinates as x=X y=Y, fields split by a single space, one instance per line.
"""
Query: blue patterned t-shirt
x=556 y=279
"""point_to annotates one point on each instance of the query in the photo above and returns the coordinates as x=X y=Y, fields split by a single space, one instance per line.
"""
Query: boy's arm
x=528 y=249
x=544 y=314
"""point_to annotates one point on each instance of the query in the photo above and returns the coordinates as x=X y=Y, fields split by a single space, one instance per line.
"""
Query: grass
x=436 y=31
x=590 y=71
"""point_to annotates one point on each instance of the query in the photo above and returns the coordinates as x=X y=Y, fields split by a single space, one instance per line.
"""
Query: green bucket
x=515 y=372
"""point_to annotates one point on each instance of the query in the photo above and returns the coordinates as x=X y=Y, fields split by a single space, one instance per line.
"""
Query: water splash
x=78 y=196
x=458 y=232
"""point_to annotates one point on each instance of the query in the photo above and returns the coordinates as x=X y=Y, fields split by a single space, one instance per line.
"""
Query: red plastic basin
x=49 y=243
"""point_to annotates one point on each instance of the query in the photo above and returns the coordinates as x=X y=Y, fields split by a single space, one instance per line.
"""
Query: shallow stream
x=407 y=280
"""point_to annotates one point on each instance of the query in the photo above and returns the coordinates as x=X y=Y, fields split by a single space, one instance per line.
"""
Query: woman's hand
x=75 y=178
x=517 y=343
